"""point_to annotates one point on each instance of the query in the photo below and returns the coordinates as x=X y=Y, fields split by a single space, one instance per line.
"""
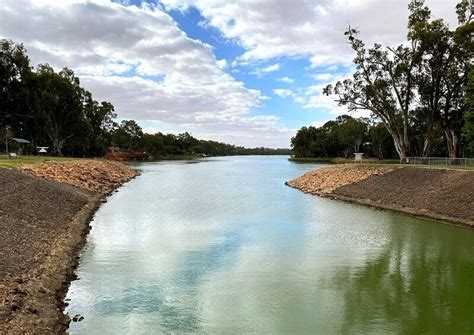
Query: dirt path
x=43 y=227
x=440 y=194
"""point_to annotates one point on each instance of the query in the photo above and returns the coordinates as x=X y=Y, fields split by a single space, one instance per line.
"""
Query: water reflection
x=225 y=247
x=419 y=284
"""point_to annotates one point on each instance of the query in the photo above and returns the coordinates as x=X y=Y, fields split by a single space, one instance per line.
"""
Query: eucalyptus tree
x=383 y=83
x=422 y=79
x=468 y=129
x=128 y=135
x=100 y=118
x=59 y=106
x=445 y=55
x=14 y=67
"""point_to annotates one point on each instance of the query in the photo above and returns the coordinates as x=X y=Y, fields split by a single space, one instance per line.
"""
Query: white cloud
x=222 y=63
x=322 y=76
x=261 y=72
x=287 y=80
x=312 y=98
x=309 y=28
x=271 y=68
x=283 y=92
x=319 y=123
x=138 y=58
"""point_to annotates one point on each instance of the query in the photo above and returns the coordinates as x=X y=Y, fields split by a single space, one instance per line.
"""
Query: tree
x=468 y=129
x=14 y=67
x=442 y=74
x=420 y=82
x=350 y=133
x=382 y=84
x=309 y=142
x=59 y=106
x=128 y=135
x=100 y=118
x=380 y=141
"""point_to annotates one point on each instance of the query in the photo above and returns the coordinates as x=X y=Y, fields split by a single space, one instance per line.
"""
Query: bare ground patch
x=43 y=227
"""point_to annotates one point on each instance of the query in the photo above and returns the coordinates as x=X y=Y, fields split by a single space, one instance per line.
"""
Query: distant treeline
x=128 y=135
x=343 y=137
x=51 y=109
x=346 y=135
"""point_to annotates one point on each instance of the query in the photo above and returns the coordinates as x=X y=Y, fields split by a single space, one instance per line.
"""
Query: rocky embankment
x=326 y=180
x=44 y=220
x=439 y=194
x=94 y=175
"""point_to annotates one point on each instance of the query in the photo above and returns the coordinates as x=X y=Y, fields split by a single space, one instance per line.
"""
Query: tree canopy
x=418 y=86
x=52 y=109
x=342 y=137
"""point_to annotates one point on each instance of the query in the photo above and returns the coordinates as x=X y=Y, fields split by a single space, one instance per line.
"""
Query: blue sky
x=290 y=113
x=243 y=72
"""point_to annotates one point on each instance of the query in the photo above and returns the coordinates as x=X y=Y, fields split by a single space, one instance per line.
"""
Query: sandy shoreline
x=443 y=195
x=43 y=228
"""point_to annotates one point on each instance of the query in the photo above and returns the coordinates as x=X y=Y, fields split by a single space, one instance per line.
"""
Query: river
x=222 y=246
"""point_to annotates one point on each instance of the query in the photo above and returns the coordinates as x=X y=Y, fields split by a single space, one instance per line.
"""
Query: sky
x=248 y=73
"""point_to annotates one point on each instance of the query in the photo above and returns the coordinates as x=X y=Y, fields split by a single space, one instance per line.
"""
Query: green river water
x=222 y=246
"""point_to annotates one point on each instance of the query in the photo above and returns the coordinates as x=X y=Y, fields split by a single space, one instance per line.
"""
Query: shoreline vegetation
x=44 y=220
x=341 y=160
x=50 y=108
x=439 y=194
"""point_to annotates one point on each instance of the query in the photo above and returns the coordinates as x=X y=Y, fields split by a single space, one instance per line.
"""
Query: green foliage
x=416 y=90
x=52 y=109
x=128 y=135
x=341 y=138
x=170 y=146
x=380 y=142
x=468 y=129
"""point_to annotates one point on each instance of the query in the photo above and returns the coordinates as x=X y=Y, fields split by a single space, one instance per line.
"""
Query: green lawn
x=14 y=163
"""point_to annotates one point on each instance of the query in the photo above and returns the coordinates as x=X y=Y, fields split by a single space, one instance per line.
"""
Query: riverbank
x=439 y=194
x=341 y=160
x=45 y=211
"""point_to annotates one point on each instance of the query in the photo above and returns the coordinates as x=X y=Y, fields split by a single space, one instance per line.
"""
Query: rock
x=32 y=309
x=94 y=175
x=15 y=306
x=325 y=180
x=77 y=318
x=5 y=312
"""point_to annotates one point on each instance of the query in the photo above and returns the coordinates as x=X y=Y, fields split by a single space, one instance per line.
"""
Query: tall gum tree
x=382 y=84
x=422 y=79
x=445 y=56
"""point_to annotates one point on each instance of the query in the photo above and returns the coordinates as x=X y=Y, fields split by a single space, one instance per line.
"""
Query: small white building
x=358 y=157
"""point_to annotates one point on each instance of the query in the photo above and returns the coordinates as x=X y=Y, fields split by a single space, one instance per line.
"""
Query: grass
x=340 y=160
x=374 y=161
x=15 y=163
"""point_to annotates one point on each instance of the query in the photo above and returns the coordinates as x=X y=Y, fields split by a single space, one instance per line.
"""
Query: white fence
x=446 y=161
